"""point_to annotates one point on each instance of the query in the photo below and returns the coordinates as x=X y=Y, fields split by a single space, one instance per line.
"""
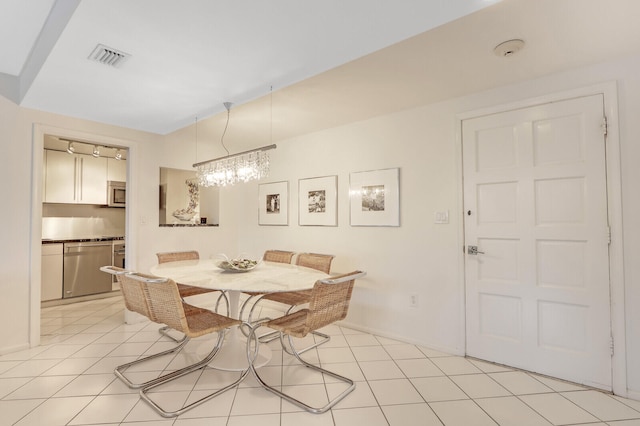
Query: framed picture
x=375 y=198
x=318 y=201
x=273 y=203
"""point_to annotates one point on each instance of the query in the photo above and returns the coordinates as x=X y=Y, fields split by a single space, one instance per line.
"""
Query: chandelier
x=233 y=168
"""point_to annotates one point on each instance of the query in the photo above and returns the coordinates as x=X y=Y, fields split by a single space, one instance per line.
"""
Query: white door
x=537 y=296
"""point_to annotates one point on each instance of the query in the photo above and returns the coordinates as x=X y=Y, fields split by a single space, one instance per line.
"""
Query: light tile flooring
x=69 y=380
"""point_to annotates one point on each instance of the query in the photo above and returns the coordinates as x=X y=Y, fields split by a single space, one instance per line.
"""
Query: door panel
x=535 y=205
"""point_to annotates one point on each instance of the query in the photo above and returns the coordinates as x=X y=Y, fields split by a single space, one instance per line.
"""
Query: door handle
x=473 y=250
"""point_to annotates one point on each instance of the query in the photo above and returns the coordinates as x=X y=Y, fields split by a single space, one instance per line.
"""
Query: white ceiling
x=188 y=57
x=329 y=62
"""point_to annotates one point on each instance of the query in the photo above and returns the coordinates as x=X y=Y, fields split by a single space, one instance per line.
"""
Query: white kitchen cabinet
x=116 y=170
x=52 y=261
x=75 y=178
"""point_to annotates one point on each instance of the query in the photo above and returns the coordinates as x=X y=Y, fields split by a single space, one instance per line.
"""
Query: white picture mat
x=328 y=217
x=273 y=194
x=386 y=182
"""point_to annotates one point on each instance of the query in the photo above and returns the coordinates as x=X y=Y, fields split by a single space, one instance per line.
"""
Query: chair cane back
x=320 y=262
x=279 y=256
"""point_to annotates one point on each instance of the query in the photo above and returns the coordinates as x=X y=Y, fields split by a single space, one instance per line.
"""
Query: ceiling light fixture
x=70 y=148
x=233 y=168
x=96 y=151
x=118 y=155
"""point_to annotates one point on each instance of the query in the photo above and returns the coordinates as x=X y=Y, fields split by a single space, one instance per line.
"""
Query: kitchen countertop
x=81 y=240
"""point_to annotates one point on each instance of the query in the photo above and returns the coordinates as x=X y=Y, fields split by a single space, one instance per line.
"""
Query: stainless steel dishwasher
x=81 y=270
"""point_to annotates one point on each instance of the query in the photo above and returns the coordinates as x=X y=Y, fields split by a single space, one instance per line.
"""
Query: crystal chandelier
x=231 y=169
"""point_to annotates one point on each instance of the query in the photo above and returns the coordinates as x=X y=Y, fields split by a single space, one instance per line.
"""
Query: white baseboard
x=403 y=339
x=15 y=348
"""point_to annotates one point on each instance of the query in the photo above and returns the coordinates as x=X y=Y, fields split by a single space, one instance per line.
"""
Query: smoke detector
x=509 y=48
x=108 y=56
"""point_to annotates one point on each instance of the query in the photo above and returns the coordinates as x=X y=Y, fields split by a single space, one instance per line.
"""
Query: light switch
x=442 y=217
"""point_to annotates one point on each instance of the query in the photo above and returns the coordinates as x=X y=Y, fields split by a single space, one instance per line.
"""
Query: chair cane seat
x=293 y=298
x=190 y=290
x=202 y=321
x=294 y=324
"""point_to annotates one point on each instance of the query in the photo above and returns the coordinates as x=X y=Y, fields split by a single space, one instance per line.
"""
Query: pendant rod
x=264 y=148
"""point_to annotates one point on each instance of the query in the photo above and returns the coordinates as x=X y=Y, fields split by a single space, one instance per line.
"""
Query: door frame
x=609 y=91
x=37 y=175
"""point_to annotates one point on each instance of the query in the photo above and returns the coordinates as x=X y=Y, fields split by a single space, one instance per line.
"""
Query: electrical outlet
x=413 y=301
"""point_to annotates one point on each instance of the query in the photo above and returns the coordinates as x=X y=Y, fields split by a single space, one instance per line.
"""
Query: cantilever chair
x=184 y=289
x=278 y=256
x=321 y=262
x=329 y=302
x=135 y=301
x=166 y=306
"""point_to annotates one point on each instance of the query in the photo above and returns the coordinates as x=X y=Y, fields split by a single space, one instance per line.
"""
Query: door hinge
x=611 y=346
x=605 y=125
x=609 y=235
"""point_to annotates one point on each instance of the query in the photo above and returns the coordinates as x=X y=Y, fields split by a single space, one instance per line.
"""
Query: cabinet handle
x=81 y=176
x=75 y=178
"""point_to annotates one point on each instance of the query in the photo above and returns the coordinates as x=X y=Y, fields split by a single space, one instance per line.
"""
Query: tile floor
x=69 y=380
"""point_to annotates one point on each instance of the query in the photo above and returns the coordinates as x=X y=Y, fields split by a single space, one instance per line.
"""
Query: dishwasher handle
x=69 y=246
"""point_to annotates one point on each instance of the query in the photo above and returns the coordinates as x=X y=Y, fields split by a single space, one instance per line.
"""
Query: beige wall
x=21 y=157
x=418 y=257
x=15 y=249
x=422 y=257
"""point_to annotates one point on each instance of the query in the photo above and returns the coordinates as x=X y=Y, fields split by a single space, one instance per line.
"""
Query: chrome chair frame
x=277 y=256
x=120 y=369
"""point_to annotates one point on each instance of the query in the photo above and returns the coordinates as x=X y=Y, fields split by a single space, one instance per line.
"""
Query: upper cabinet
x=116 y=170
x=75 y=179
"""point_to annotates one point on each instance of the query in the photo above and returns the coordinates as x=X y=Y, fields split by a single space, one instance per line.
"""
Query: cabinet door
x=52 y=260
x=61 y=170
x=116 y=170
x=93 y=180
x=75 y=179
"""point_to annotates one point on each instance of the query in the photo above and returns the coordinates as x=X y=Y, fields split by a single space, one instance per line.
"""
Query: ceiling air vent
x=108 y=56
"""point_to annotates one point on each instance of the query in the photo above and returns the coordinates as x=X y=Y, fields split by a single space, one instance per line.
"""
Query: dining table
x=266 y=277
